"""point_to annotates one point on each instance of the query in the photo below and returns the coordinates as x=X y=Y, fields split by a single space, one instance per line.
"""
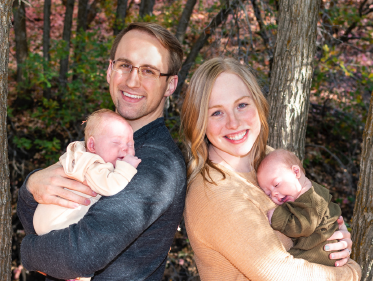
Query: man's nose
x=133 y=78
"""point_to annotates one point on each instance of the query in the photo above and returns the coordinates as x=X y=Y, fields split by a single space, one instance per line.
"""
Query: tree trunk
x=292 y=74
x=146 y=7
x=46 y=41
x=120 y=16
x=82 y=15
x=5 y=199
x=362 y=221
x=64 y=63
x=184 y=20
x=19 y=14
x=92 y=12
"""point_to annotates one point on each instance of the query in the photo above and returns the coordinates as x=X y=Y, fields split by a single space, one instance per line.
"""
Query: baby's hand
x=270 y=214
x=132 y=160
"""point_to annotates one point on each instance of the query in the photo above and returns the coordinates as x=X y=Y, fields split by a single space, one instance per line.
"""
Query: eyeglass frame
x=112 y=62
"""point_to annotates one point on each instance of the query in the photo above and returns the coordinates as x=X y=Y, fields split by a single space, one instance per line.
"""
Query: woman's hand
x=48 y=187
x=343 y=246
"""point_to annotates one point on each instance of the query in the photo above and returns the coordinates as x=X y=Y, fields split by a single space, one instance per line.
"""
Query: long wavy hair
x=194 y=116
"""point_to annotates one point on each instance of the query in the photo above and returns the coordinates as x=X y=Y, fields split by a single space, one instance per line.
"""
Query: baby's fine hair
x=94 y=121
x=282 y=156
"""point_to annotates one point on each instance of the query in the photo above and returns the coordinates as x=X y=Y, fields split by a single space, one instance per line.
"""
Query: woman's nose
x=233 y=122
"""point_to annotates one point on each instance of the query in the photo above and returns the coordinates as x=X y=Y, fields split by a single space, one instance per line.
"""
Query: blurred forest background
x=59 y=53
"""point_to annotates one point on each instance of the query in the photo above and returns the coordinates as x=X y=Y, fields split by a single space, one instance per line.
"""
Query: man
x=144 y=61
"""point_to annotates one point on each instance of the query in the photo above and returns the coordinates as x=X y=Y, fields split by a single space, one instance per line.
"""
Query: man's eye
x=242 y=105
x=125 y=66
x=148 y=71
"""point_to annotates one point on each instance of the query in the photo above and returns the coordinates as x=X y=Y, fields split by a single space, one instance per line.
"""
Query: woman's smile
x=237 y=137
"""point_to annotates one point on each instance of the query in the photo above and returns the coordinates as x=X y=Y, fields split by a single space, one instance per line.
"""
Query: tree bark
x=362 y=221
x=92 y=12
x=19 y=14
x=64 y=63
x=292 y=74
x=46 y=40
x=120 y=16
x=184 y=20
x=82 y=15
x=5 y=199
x=201 y=41
x=146 y=7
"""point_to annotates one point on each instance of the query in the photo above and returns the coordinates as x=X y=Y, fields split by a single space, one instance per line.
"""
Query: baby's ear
x=297 y=171
x=91 y=145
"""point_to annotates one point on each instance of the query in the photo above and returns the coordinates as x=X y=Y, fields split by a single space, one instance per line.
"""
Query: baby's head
x=281 y=176
x=109 y=135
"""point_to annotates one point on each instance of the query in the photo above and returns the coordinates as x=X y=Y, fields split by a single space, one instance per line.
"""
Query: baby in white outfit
x=106 y=161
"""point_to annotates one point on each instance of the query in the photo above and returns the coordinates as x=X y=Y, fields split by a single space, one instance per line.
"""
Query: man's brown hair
x=166 y=38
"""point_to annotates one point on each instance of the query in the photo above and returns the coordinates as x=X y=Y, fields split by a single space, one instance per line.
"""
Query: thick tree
x=46 y=40
x=120 y=16
x=5 y=198
x=66 y=35
x=146 y=7
x=362 y=221
x=291 y=74
x=19 y=14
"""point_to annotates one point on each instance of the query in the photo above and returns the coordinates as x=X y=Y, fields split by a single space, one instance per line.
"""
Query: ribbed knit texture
x=233 y=240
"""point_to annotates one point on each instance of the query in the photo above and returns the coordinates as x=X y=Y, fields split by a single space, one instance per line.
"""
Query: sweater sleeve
x=105 y=180
x=110 y=226
x=299 y=218
x=235 y=226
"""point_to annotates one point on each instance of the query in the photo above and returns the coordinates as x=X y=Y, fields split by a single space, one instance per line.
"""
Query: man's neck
x=141 y=122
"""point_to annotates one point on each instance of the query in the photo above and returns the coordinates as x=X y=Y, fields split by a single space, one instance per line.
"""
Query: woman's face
x=233 y=120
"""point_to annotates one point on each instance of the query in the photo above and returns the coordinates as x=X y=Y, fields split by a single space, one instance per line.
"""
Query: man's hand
x=343 y=246
x=48 y=187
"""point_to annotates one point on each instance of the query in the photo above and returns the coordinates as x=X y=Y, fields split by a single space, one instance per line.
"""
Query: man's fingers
x=71 y=196
x=77 y=186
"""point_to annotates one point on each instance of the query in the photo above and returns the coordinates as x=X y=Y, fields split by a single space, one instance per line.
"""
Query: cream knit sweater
x=232 y=239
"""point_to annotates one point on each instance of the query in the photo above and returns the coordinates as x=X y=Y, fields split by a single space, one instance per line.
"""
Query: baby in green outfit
x=305 y=212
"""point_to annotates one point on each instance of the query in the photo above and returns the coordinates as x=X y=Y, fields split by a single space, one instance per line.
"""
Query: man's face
x=137 y=99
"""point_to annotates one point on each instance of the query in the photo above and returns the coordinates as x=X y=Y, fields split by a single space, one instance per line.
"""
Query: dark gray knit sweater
x=122 y=237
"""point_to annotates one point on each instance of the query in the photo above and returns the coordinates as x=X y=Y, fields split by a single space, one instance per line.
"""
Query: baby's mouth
x=284 y=199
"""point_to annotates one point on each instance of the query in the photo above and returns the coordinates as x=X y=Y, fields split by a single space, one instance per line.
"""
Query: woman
x=224 y=122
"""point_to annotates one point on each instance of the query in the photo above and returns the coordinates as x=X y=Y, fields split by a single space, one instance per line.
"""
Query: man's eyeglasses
x=147 y=72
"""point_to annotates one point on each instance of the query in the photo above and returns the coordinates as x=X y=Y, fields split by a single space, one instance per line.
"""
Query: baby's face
x=115 y=140
x=279 y=182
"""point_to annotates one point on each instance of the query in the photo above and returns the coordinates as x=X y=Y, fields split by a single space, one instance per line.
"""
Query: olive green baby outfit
x=310 y=220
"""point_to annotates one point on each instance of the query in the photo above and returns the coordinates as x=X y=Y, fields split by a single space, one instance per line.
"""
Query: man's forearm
x=26 y=207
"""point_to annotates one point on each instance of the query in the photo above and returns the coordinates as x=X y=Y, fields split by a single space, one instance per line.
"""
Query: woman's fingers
x=48 y=187
x=341 y=262
x=340 y=245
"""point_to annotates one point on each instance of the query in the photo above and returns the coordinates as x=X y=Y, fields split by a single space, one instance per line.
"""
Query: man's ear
x=171 y=85
x=296 y=170
x=108 y=72
x=91 y=145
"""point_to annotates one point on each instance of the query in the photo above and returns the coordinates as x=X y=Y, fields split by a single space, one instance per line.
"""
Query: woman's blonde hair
x=194 y=115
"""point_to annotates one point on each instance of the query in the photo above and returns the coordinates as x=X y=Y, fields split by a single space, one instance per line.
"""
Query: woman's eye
x=242 y=105
x=216 y=113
